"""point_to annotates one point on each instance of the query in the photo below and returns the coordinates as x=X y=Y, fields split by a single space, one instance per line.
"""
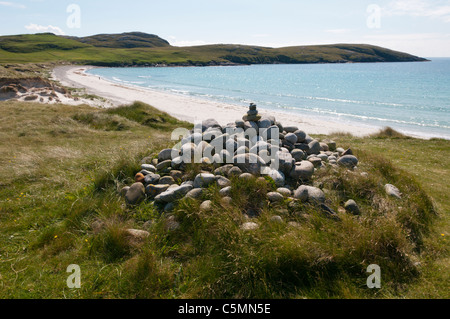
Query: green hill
x=124 y=40
x=142 y=49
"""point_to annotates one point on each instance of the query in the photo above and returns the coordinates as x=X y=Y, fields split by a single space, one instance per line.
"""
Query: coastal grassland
x=50 y=155
x=61 y=168
x=426 y=162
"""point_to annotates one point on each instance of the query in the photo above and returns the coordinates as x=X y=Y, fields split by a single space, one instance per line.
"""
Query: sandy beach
x=188 y=108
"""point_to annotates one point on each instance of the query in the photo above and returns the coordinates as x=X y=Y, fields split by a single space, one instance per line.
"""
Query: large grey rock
x=314 y=147
x=291 y=138
x=302 y=146
x=285 y=162
x=264 y=123
x=309 y=193
x=163 y=165
x=211 y=133
x=347 y=152
x=148 y=167
x=176 y=175
x=316 y=161
x=340 y=150
x=223 y=170
x=136 y=194
x=278 y=177
x=301 y=136
x=303 y=170
x=151 y=178
x=223 y=181
x=324 y=147
x=298 y=154
x=187 y=151
x=246 y=176
x=349 y=161
x=259 y=146
x=351 y=207
x=226 y=191
x=195 y=193
x=290 y=129
x=286 y=192
x=205 y=149
x=308 y=139
x=234 y=171
x=219 y=142
x=206 y=206
x=177 y=163
x=272 y=132
x=280 y=126
x=174 y=193
x=154 y=190
x=240 y=123
x=166 y=154
x=275 y=197
x=249 y=163
x=210 y=123
x=144 y=172
x=204 y=180
x=166 y=180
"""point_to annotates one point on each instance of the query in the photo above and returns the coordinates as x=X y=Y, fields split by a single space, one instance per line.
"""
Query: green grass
x=41 y=48
x=61 y=170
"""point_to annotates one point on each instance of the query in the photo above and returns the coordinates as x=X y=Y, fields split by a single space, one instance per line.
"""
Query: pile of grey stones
x=285 y=153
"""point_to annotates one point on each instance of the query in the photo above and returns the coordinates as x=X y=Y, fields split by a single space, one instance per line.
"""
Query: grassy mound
x=62 y=168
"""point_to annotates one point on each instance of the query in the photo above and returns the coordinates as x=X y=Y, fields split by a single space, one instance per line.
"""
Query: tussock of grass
x=140 y=113
x=389 y=132
x=100 y=121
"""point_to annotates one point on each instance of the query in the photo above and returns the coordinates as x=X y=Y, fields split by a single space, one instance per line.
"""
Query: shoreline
x=194 y=109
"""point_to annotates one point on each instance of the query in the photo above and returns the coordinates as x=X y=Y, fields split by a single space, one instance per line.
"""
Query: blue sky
x=419 y=27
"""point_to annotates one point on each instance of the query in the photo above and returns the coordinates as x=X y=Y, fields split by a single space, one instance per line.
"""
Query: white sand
x=188 y=108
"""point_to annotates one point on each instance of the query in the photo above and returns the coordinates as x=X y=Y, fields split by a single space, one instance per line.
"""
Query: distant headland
x=142 y=49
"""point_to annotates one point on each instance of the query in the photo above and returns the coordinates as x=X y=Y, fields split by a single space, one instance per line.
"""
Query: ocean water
x=412 y=97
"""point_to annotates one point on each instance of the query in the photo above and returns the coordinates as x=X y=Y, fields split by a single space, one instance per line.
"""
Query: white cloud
x=40 y=28
x=419 y=8
x=12 y=4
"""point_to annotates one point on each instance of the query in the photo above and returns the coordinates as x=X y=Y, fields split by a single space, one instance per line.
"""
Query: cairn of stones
x=252 y=147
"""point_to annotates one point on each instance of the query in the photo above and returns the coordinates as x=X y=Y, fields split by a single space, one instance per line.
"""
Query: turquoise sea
x=412 y=97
